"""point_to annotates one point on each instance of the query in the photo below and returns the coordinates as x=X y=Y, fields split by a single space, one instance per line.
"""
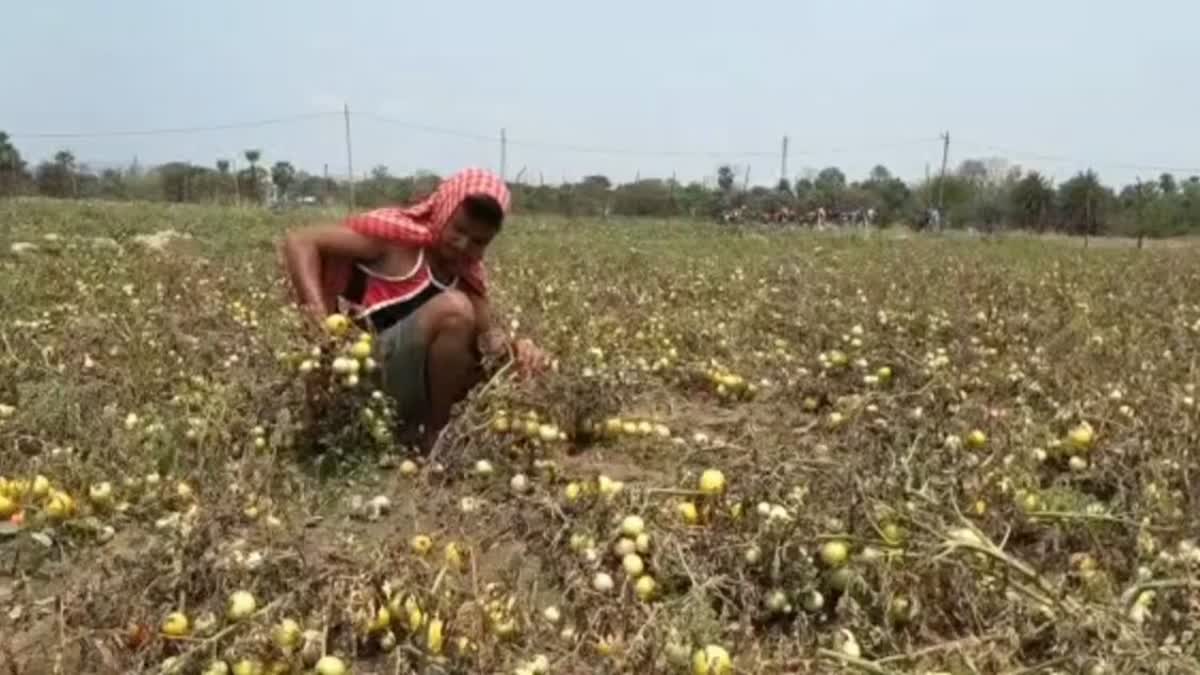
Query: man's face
x=464 y=240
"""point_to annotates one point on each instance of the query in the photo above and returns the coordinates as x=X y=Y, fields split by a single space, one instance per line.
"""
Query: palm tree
x=253 y=156
x=223 y=170
x=283 y=174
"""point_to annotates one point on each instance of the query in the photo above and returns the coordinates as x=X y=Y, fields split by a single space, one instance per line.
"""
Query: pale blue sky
x=852 y=82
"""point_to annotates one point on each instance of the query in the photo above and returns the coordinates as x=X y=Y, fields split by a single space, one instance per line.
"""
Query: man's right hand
x=530 y=359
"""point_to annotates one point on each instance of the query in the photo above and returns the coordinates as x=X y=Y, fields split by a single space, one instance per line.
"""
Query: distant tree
x=887 y=193
x=112 y=185
x=973 y=170
x=830 y=187
x=65 y=160
x=57 y=178
x=592 y=196
x=804 y=192
x=424 y=183
x=694 y=199
x=1166 y=183
x=1137 y=203
x=784 y=186
x=725 y=178
x=316 y=187
x=283 y=174
x=176 y=181
x=1189 y=204
x=1032 y=201
x=645 y=197
x=223 y=171
x=596 y=182
x=1084 y=203
x=12 y=167
x=252 y=156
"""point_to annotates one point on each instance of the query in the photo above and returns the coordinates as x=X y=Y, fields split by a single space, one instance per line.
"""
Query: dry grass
x=989 y=559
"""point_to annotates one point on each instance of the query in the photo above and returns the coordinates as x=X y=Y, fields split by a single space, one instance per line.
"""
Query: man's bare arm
x=304 y=251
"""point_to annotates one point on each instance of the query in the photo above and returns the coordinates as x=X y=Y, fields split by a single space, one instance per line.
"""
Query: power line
x=869 y=147
x=177 y=130
x=442 y=131
x=1074 y=160
x=560 y=147
x=597 y=150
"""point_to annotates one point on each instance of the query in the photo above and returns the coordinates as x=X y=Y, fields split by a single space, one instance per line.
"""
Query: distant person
x=414 y=275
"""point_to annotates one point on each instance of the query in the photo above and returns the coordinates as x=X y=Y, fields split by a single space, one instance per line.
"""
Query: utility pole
x=349 y=153
x=942 y=180
x=746 y=179
x=503 y=154
x=783 y=157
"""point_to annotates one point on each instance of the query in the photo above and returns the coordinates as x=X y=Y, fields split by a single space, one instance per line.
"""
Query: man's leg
x=448 y=325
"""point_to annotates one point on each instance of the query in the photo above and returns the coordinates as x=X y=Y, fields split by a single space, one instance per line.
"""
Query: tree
x=1166 y=183
x=804 y=193
x=592 y=196
x=725 y=178
x=890 y=194
x=57 y=178
x=1084 y=202
x=12 y=167
x=223 y=172
x=784 y=186
x=596 y=182
x=283 y=174
x=1032 y=201
x=973 y=170
x=112 y=185
x=830 y=186
x=65 y=160
x=646 y=197
x=252 y=156
x=176 y=181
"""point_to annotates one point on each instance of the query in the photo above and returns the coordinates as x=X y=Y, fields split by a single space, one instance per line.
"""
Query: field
x=937 y=455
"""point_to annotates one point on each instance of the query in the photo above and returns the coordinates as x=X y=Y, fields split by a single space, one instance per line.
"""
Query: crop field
x=757 y=452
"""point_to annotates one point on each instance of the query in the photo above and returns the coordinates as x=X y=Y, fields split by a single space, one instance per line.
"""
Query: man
x=414 y=275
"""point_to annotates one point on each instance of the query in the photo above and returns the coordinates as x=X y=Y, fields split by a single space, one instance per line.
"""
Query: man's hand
x=493 y=343
x=530 y=359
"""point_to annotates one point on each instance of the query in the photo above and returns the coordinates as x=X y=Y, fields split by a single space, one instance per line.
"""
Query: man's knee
x=450 y=311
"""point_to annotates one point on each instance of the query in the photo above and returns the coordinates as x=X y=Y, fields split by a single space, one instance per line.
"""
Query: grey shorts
x=402 y=355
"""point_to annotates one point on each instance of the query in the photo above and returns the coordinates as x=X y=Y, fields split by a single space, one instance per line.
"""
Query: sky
x=621 y=88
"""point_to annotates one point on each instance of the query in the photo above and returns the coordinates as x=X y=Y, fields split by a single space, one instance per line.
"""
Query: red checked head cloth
x=421 y=224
